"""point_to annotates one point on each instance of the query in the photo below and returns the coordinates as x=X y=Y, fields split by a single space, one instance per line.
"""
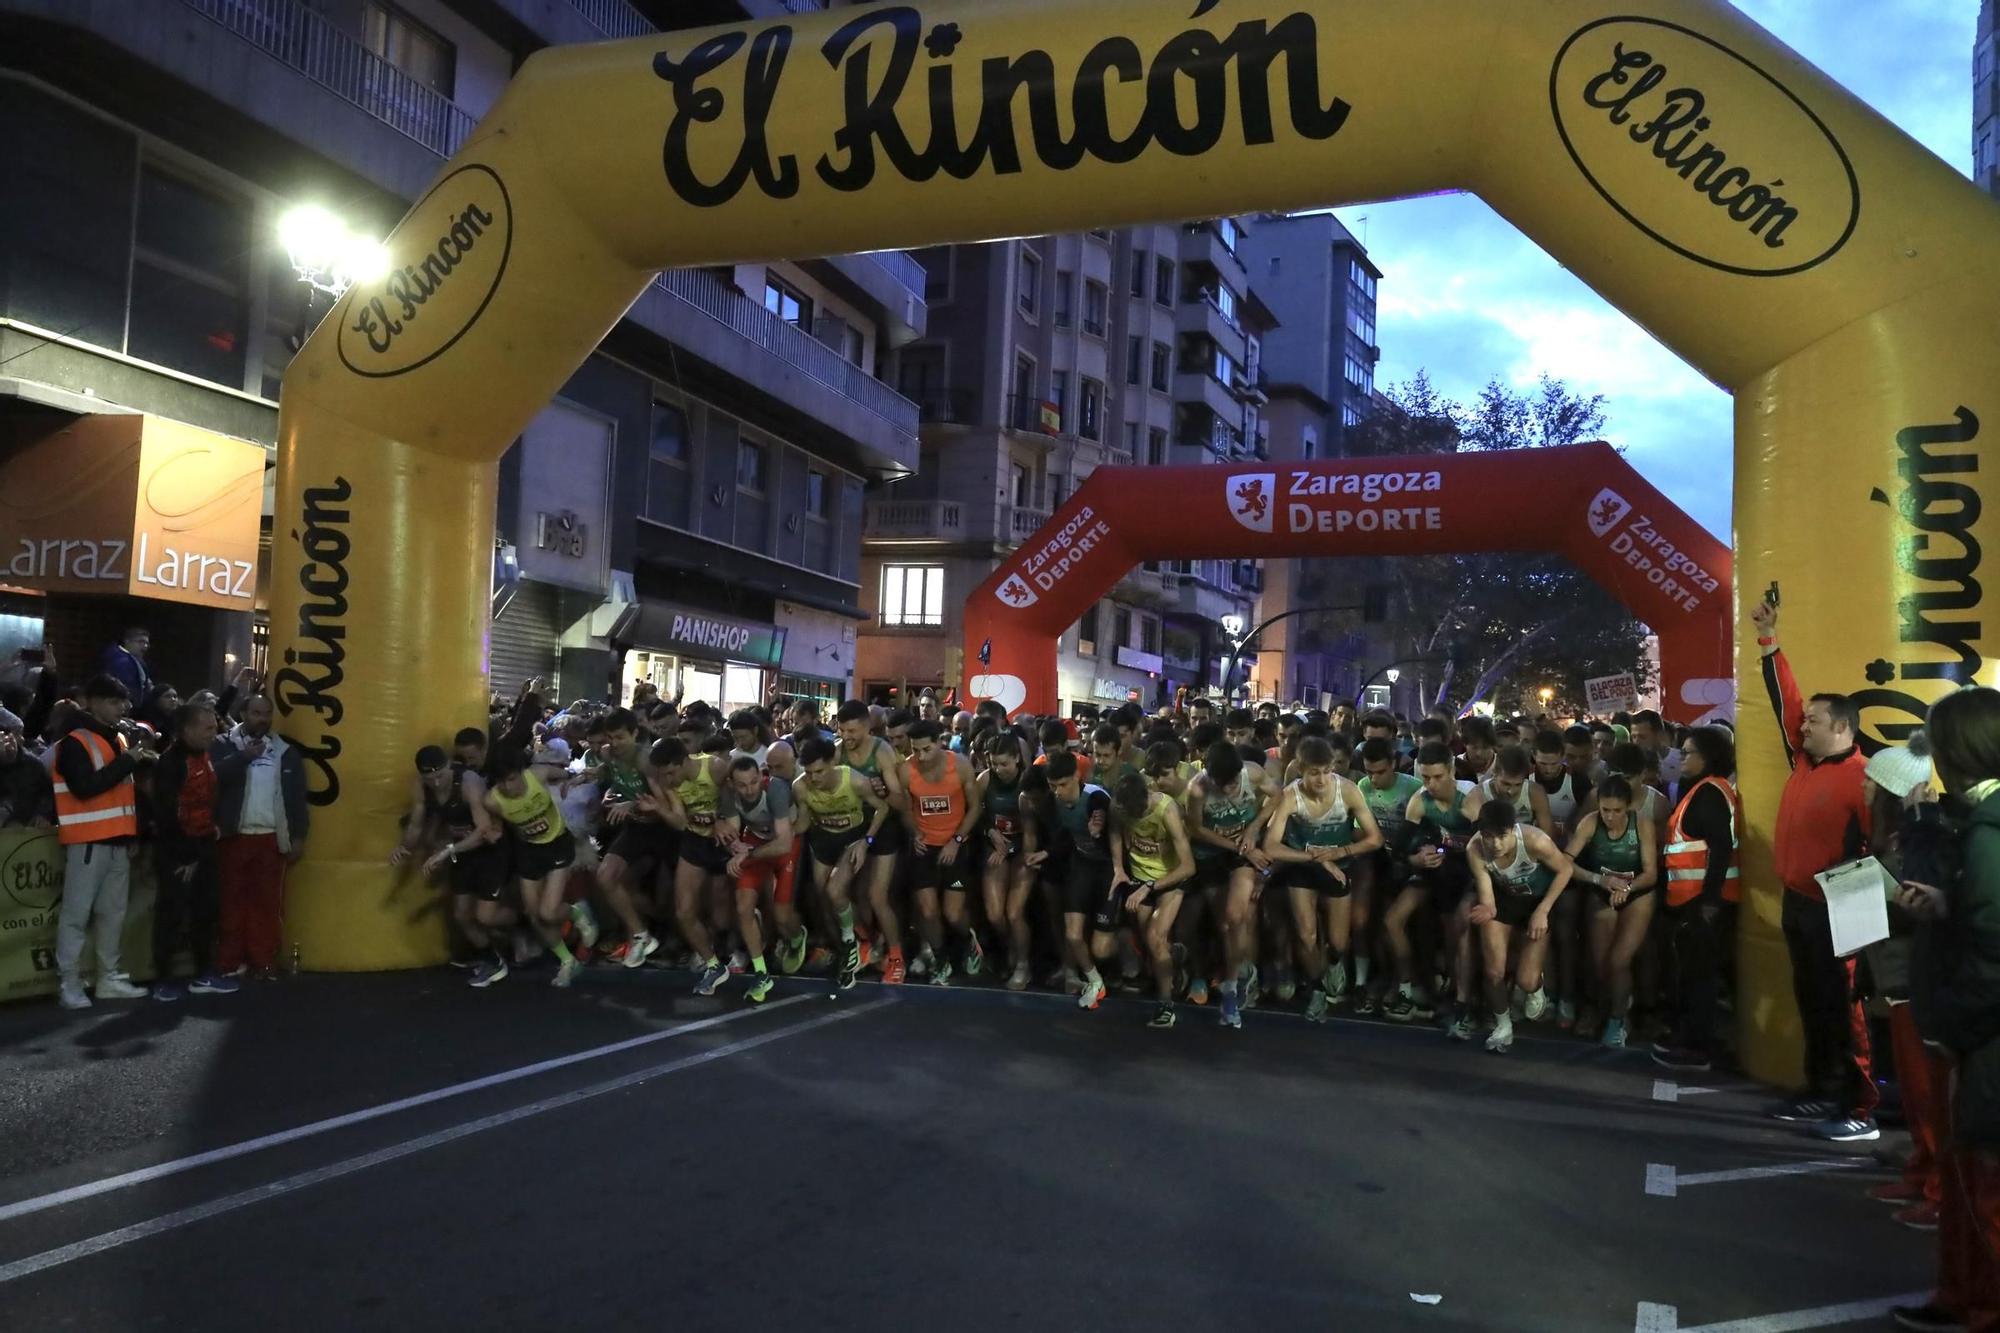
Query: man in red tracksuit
x=1822 y=821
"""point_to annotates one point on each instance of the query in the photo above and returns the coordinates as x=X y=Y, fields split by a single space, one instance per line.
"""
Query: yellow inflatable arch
x=1769 y=227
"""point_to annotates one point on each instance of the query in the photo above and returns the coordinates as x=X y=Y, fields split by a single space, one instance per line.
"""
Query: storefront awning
x=672 y=627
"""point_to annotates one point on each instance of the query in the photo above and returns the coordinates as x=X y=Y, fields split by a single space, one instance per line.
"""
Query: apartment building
x=1045 y=359
x=1320 y=367
x=700 y=480
x=1986 y=100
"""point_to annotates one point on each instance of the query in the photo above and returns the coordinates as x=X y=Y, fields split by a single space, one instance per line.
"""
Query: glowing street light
x=1546 y=694
x=327 y=254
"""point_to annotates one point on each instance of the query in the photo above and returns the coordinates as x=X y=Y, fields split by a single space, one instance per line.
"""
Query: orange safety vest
x=100 y=818
x=1687 y=861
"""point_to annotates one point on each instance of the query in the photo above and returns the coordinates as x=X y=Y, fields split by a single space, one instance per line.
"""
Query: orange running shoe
x=892 y=972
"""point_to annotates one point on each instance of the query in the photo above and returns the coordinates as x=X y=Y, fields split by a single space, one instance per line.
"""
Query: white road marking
x=127 y=1179
x=1666 y=1090
x=123 y=1236
x=1666 y=1318
x=1666 y=1182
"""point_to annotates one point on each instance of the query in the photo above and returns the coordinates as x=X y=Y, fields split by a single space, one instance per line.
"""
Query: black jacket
x=173 y=844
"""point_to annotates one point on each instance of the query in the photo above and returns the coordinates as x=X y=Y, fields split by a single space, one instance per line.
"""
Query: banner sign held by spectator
x=31 y=881
x=1608 y=694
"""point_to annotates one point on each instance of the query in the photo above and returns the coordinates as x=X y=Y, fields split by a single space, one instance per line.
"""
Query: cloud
x=1466 y=297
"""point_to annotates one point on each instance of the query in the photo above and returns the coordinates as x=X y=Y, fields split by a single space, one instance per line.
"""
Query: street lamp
x=327 y=254
x=1546 y=694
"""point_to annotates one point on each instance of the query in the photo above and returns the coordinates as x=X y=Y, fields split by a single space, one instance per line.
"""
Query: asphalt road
x=889 y=1160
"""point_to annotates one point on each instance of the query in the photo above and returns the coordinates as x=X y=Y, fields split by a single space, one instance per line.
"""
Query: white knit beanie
x=1901 y=769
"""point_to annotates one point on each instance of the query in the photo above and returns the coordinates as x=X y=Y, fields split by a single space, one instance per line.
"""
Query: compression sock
x=757 y=964
x=562 y=951
x=847 y=923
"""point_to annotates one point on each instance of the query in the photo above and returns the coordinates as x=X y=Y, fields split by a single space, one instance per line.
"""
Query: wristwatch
x=958 y=838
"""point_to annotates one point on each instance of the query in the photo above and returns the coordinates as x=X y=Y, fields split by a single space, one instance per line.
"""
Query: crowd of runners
x=1472 y=872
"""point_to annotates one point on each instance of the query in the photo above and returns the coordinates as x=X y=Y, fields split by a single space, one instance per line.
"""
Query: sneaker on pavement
x=1462 y=1028
x=1365 y=1003
x=792 y=954
x=1565 y=1015
x=1399 y=1008
x=975 y=955
x=850 y=965
x=1536 y=1006
x=1686 y=1062
x=488 y=972
x=1163 y=1017
x=72 y=996
x=166 y=992
x=1917 y=1217
x=894 y=971
x=639 y=948
x=586 y=923
x=761 y=986
x=712 y=977
x=1018 y=979
x=114 y=986
x=1927 y=1318
x=1335 y=981
x=566 y=975
x=1502 y=1036
x=1093 y=994
x=1802 y=1111
x=739 y=963
x=940 y=972
x=1197 y=990
x=1316 y=1004
x=921 y=964
x=1614 y=1035
x=1232 y=1010
x=1847 y=1129
x=1896 y=1191
x=215 y=985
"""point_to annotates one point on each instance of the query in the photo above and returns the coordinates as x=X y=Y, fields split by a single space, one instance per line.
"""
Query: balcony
x=914 y=520
x=1034 y=415
x=1019 y=522
x=1200 y=316
x=1203 y=254
x=296 y=36
x=1203 y=602
x=697 y=290
x=1199 y=388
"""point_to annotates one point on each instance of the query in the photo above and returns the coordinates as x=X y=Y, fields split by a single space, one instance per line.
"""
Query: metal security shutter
x=524 y=637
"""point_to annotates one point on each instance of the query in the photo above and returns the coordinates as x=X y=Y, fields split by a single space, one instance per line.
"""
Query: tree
x=1479 y=620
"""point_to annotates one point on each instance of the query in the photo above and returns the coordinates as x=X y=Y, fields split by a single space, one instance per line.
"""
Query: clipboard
x=1857 y=904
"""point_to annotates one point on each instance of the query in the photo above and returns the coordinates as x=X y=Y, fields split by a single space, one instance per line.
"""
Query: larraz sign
x=134 y=505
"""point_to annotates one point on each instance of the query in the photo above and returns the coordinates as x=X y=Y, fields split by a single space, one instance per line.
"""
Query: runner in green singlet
x=1228 y=803
x=841 y=817
x=873 y=758
x=543 y=851
x=1434 y=895
x=1615 y=852
x=639 y=847
x=1150 y=860
x=1319 y=827
x=1518 y=873
x=1380 y=877
x=1011 y=839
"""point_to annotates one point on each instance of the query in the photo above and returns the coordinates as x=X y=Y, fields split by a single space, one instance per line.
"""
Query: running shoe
x=1565 y=1015
x=850 y=966
x=921 y=964
x=115 y=986
x=1364 y=1002
x=894 y=970
x=712 y=978
x=1614 y=1034
x=488 y=972
x=739 y=963
x=1163 y=1017
x=639 y=948
x=1421 y=1006
x=761 y=986
x=1802 y=1111
x=1316 y=1004
x=1917 y=1217
x=941 y=973
x=1927 y=1318
x=1335 y=982
x=167 y=992
x=1093 y=994
x=214 y=984
x=975 y=954
x=1399 y=1008
x=565 y=975
x=1179 y=954
x=73 y=997
x=1694 y=1062
x=792 y=954
x=818 y=958
x=1019 y=978
x=1284 y=987
x=1847 y=1129
x=585 y=921
x=1197 y=990
x=1502 y=1036
x=1462 y=1028
x=1232 y=1010
x=1246 y=985
x=868 y=953
x=1536 y=1005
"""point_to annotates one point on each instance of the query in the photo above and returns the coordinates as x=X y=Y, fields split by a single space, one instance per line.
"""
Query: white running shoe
x=73 y=997
x=114 y=986
x=1502 y=1036
x=1537 y=1005
x=1093 y=994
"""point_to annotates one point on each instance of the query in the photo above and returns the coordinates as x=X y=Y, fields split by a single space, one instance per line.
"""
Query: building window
x=1358 y=376
x=1096 y=300
x=1361 y=321
x=409 y=46
x=787 y=302
x=753 y=466
x=1225 y=301
x=854 y=345
x=1090 y=404
x=1225 y=367
x=1121 y=628
x=1141 y=271
x=1149 y=635
x=1156 y=446
x=1058 y=489
x=1163 y=367
x=1231 y=234
x=1031 y=282
x=668 y=484
x=1350 y=415
x=1086 y=633
x=912 y=595
x=189 y=307
x=1309 y=448
x=1022 y=487
x=1135 y=359
x=1163 y=282
x=1362 y=278
x=1059 y=395
x=816 y=494
x=1131 y=440
x=1065 y=286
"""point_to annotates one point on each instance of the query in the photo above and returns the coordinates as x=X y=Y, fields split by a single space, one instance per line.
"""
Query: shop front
x=554 y=569
x=117 y=520
x=700 y=655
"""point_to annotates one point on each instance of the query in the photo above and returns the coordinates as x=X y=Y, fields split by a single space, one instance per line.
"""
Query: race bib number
x=1005 y=824
x=1144 y=846
x=535 y=828
x=834 y=823
x=702 y=818
x=934 y=805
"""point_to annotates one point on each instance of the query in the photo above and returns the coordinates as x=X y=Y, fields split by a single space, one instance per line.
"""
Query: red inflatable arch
x=1597 y=511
